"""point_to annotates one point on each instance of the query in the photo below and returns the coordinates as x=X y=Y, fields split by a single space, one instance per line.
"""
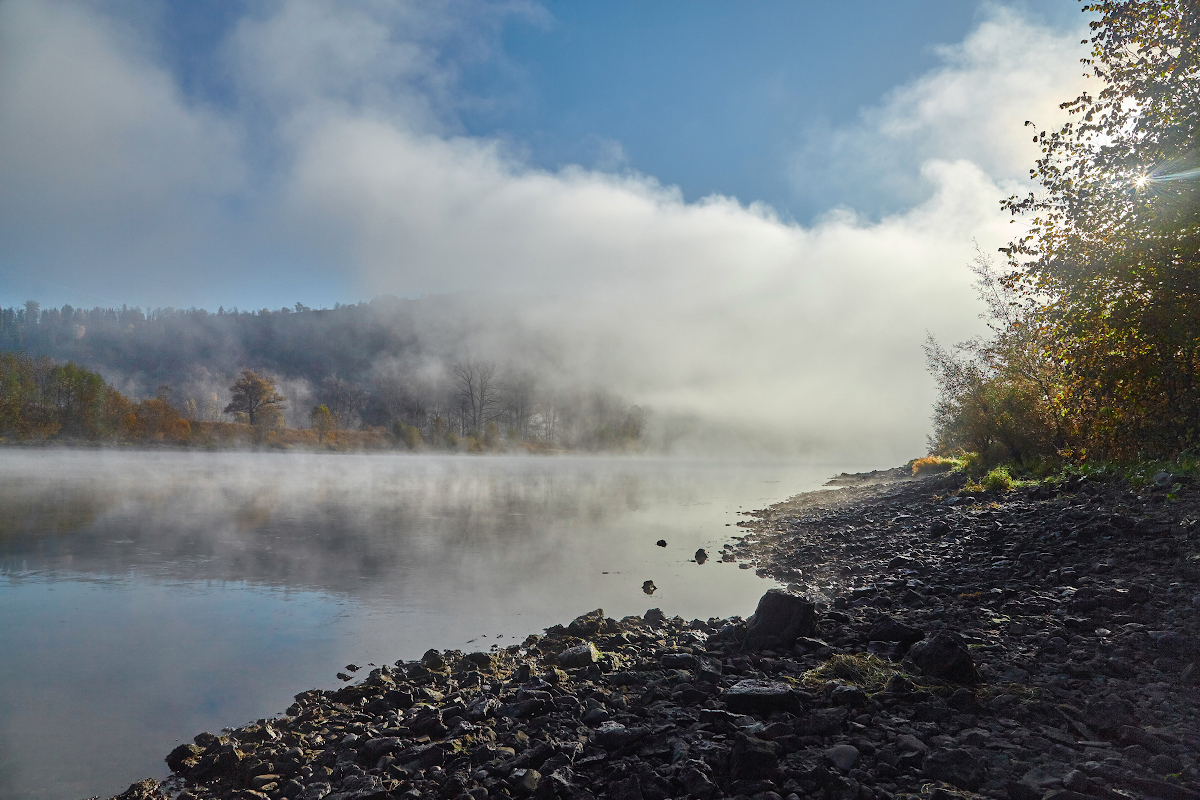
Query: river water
x=146 y=596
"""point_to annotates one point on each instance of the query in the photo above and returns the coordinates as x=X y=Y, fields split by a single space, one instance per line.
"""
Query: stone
x=1076 y=781
x=479 y=659
x=654 y=617
x=955 y=766
x=374 y=748
x=147 y=789
x=583 y=655
x=524 y=782
x=588 y=624
x=695 y=778
x=1163 y=764
x=614 y=735
x=752 y=758
x=314 y=791
x=851 y=696
x=679 y=661
x=433 y=660
x=945 y=656
x=779 y=620
x=843 y=756
x=889 y=629
x=184 y=757
x=756 y=696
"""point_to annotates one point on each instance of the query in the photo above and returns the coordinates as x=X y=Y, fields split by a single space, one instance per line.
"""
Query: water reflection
x=147 y=596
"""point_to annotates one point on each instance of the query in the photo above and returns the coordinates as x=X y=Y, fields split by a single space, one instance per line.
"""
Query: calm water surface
x=147 y=596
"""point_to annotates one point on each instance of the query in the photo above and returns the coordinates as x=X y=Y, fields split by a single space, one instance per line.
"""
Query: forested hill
x=459 y=360
x=167 y=345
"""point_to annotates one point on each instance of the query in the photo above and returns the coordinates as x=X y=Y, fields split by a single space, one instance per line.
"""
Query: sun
x=1142 y=181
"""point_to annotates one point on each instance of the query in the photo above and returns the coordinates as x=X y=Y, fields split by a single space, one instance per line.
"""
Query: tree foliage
x=1105 y=278
x=41 y=400
x=254 y=395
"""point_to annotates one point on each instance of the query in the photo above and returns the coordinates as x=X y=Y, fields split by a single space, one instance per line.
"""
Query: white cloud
x=100 y=154
x=713 y=308
x=973 y=106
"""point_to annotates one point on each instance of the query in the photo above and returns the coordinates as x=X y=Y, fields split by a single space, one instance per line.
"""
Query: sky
x=708 y=200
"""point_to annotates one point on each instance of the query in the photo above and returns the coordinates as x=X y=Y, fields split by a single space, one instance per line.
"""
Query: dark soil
x=1035 y=646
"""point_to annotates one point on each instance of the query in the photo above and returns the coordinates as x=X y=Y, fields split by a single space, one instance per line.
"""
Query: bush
x=931 y=465
x=996 y=481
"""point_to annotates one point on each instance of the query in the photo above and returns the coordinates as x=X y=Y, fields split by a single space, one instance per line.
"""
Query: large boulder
x=780 y=619
x=945 y=656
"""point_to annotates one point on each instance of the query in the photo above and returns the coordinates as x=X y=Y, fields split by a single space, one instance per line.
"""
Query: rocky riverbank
x=1036 y=646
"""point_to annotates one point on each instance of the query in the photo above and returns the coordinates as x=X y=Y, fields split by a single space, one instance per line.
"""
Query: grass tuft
x=868 y=672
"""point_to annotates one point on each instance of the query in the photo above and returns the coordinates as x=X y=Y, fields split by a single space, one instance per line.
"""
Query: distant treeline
x=398 y=368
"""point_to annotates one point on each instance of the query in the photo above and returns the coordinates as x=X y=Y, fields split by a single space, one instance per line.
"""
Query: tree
x=322 y=421
x=253 y=392
x=1112 y=250
x=478 y=390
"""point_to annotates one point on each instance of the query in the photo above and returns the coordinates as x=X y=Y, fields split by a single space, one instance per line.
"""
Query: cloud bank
x=339 y=162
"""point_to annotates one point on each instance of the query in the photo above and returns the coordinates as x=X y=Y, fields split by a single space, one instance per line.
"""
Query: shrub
x=996 y=481
x=931 y=465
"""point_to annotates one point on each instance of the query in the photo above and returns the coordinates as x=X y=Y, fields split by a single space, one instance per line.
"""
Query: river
x=146 y=596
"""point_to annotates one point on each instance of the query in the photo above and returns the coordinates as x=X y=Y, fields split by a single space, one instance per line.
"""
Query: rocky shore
x=1040 y=645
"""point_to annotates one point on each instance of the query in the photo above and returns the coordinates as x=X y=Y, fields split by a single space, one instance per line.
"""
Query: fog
x=150 y=596
x=341 y=167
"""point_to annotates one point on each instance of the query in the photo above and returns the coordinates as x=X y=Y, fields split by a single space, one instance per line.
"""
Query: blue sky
x=683 y=195
x=711 y=97
x=753 y=101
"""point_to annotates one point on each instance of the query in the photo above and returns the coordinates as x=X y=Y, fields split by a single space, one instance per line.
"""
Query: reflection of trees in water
x=26 y=508
x=338 y=524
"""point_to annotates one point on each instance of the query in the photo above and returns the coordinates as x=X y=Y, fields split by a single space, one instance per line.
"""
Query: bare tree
x=343 y=400
x=479 y=394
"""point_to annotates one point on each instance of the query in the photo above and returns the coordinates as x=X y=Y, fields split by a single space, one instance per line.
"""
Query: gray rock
x=889 y=629
x=695 y=778
x=754 y=696
x=524 y=782
x=955 y=766
x=851 y=696
x=945 y=656
x=1164 y=764
x=843 y=756
x=583 y=655
x=679 y=661
x=614 y=735
x=314 y=791
x=780 y=619
x=752 y=758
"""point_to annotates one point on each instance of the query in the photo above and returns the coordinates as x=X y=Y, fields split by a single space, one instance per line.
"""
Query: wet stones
x=780 y=619
x=945 y=656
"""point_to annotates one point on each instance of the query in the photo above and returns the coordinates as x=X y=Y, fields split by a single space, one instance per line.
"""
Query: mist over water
x=152 y=595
